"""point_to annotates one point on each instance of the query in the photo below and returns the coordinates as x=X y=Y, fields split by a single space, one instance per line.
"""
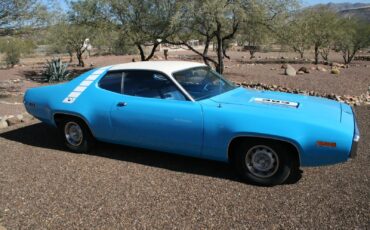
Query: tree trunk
x=220 y=56
x=141 y=51
x=301 y=53
x=70 y=56
x=316 y=54
x=80 y=59
x=251 y=53
x=155 y=45
x=205 y=51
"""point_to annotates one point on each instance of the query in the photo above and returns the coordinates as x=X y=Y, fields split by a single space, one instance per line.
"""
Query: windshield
x=202 y=82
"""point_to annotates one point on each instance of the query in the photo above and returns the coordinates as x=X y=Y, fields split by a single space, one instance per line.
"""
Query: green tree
x=323 y=26
x=16 y=15
x=208 y=20
x=297 y=34
x=144 y=23
x=14 y=48
x=353 y=36
x=253 y=30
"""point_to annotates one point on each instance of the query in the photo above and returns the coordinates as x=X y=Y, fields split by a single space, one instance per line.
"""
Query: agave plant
x=56 y=70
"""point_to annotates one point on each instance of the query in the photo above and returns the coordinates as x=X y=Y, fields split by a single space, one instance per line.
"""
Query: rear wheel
x=265 y=162
x=77 y=136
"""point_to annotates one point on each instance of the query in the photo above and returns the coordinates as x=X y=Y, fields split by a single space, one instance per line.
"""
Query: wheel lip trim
x=253 y=170
x=68 y=133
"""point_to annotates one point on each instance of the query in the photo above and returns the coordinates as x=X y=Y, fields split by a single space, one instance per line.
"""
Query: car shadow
x=44 y=136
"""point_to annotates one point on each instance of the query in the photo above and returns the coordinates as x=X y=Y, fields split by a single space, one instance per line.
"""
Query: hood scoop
x=275 y=102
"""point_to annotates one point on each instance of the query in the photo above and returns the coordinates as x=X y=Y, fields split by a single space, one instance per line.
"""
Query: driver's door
x=152 y=113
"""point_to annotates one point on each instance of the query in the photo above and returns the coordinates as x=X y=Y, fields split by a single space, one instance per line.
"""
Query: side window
x=150 y=84
x=112 y=81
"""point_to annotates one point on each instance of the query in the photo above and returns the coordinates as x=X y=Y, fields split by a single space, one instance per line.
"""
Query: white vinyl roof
x=167 y=67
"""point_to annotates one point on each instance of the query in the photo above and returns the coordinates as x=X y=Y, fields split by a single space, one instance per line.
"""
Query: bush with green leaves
x=14 y=48
x=56 y=70
x=12 y=55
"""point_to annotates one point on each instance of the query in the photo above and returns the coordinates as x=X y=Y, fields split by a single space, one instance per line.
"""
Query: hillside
x=357 y=10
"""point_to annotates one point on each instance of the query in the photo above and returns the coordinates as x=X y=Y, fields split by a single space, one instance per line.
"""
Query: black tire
x=85 y=143
x=284 y=166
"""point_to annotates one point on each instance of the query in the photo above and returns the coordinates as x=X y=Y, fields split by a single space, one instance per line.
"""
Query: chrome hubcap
x=262 y=161
x=73 y=133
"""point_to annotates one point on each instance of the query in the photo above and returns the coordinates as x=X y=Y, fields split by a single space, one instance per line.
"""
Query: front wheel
x=76 y=135
x=265 y=162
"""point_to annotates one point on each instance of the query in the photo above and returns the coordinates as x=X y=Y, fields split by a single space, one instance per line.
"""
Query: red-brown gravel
x=44 y=186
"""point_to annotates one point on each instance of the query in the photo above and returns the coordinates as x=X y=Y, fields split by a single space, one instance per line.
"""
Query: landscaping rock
x=19 y=117
x=13 y=121
x=335 y=64
x=363 y=99
x=3 y=123
x=300 y=72
x=322 y=69
x=335 y=71
x=27 y=117
x=289 y=70
x=303 y=69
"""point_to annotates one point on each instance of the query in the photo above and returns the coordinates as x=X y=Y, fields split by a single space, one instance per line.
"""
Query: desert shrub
x=12 y=56
x=121 y=47
x=56 y=70
x=14 y=48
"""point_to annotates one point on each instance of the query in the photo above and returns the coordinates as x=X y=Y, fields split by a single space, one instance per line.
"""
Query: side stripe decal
x=83 y=85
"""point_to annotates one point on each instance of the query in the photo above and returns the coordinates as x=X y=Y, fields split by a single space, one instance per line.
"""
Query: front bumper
x=356 y=139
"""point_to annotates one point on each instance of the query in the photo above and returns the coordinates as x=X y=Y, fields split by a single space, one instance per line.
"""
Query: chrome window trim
x=170 y=77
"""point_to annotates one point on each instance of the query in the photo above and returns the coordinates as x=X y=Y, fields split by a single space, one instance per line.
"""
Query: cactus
x=56 y=70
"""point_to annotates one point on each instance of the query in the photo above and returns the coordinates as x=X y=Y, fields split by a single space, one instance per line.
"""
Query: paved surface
x=44 y=186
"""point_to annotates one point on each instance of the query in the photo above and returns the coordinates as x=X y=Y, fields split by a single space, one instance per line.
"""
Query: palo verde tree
x=254 y=29
x=354 y=35
x=207 y=20
x=16 y=15
x=144 y=23
x=323 y=24
x=81 y=22
x=297 y=34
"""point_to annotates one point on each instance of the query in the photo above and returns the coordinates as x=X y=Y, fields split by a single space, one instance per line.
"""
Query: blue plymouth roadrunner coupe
x=189 y=109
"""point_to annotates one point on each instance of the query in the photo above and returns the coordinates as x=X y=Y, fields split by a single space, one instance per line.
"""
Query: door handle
x=121 y=104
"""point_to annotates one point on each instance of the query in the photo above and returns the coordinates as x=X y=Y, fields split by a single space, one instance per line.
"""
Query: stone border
x=11 y=120
x=363 y=99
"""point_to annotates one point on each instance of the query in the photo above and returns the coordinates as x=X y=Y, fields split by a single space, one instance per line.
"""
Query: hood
x=301 y=105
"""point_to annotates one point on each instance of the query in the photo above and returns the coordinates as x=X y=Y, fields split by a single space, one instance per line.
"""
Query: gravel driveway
x=44 y=186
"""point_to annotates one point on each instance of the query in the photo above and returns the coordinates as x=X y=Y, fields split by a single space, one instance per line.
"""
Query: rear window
x=112 y=82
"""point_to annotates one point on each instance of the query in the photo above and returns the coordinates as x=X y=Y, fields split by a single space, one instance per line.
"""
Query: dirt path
x=44 y=186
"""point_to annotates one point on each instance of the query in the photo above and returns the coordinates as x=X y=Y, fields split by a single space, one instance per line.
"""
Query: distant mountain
x=344 y=6
x=362 y=13
x=357 y=10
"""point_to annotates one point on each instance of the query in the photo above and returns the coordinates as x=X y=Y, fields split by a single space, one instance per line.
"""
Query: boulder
x=335 y=71
x=19 y=117
x=303 y=69
x=300 y=72
x=335 y=64
x=322 y=69
x=27 y=117
x=3 y=123
x=13 y=121
x=289 y=70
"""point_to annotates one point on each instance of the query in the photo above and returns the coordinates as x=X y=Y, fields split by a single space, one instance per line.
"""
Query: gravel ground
x=44 y=186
